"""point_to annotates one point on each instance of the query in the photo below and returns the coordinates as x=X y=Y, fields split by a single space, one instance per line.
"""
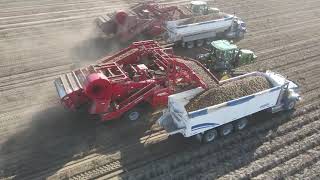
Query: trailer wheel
x=291 y=104
x=241 y=124
x=226 y=129
x=209 y=135
x=190 y=44
x=209 y=41
x=199 y=43
x=133 y=114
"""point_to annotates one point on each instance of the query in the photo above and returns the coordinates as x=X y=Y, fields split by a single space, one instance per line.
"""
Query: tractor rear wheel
x=133 y=114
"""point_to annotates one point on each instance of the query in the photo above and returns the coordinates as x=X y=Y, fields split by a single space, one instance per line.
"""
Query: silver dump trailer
x=196 y=31
x=221 y=119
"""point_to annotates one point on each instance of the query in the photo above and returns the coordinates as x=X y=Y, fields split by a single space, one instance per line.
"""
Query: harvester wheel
x=209 y=135
x=133 y=115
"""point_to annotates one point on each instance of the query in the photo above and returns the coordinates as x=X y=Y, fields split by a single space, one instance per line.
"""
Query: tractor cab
x=224 y=57
x=201 y=8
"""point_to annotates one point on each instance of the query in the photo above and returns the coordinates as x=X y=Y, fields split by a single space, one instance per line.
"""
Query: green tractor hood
x=223 y=45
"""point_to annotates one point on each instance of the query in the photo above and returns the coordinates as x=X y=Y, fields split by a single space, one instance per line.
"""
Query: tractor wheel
x=133 y=114
x=209 y=135
x=226 y=129
x=290 y=105
x=241 y=124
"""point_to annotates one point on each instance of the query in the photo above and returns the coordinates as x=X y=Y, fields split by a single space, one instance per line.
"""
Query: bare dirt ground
x=39 y=139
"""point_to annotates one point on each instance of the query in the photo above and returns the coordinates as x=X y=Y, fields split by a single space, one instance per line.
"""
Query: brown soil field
x=40 y=40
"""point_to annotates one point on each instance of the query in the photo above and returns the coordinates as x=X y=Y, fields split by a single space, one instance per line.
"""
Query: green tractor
x=224 y=57
x=202 y=8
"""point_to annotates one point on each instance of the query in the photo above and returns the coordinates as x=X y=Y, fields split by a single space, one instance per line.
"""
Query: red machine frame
x=143 y=72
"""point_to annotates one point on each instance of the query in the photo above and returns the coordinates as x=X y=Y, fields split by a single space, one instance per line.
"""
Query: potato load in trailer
x=222 y=109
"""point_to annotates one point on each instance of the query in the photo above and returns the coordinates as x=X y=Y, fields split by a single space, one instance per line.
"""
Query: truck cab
x=225 y=56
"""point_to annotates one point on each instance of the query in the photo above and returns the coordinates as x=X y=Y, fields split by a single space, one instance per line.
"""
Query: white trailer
x=207 y=123
x=203 y=29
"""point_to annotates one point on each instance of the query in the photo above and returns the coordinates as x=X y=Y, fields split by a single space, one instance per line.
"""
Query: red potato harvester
x=143 y=73
x=146 y=18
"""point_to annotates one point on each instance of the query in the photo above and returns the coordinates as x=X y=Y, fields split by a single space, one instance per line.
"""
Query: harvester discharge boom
x=143 y=73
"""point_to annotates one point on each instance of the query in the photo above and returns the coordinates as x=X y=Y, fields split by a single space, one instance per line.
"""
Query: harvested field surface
x=40 y=40
x=228 y=91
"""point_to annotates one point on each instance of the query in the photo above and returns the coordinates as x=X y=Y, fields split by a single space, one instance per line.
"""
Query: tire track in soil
x=271 y=153
x=284 y=155
x=95 y=12
x=308 y=173
x=289 y=60
x=287 y=49
x=293 y=165
x=48 y=45
x=127 y=167
x=311 y=73
x=265 y=9
x=103 y=136
x=65 y=7
x=277 y=39
x=218 y=151
x=190 y=156
x=33 y=66
x=64 y=27
x=290 y=8
x=31 y=77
